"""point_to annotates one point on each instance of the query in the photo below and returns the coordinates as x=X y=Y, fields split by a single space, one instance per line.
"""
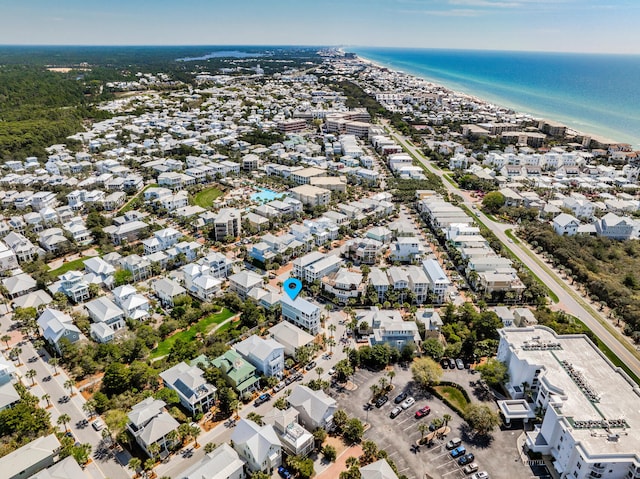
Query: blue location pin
x=293 y=287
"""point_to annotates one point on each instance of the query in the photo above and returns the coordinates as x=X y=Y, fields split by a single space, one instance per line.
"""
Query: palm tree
x=352 y=462
x=319 y=370
x=38 y=344
x=134 y=465
x=391 y=374
x=195 y=430
x=89 y=407
x=54 y=363
x=383 y=383
x=423 y=428
x=68 y=384
x=154 y=449
x=64 y=420
x=31 y=374
x=375 y=390
x=5 y=339
x=148 y=466
x=47 y=397
x=446 y=418
x=15 y=355
x=332 y=328
x=331 y=342
x=172 y=437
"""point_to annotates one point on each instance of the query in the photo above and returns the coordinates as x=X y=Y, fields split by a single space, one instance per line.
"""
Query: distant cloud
x=456 y=12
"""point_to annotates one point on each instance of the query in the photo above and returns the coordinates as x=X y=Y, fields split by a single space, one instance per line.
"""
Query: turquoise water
x=592 y=93
x=265 y=195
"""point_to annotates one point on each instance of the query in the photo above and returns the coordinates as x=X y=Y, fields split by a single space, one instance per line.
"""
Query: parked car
x=382 y=400
x=466 y=459
x=395 y=412
x=310 y=366
x=263 y=398
x=480 y=475
x=470 y=468
x=407 y=403
x=98 y=424
x=459 y=363
x=422 y=412
x=400 y=397
x=458 y=451
x=452 y=363
x=332 y=371
x=444 y=362
x=455 y=442
x=284 y=473
x=279 y=387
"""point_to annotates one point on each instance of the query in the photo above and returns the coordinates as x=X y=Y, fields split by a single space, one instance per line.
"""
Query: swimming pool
x=265 y=195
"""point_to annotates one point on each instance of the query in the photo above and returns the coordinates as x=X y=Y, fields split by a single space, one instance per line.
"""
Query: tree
x=47 y=397
x=260 y=475
x=116 y=378
x=494 y=372
x=369 y=452
x=426 y=372
x=433 y=348
x=391 y=374
x=116 y=420
x=353 y=430
x=149 y=464
x=493 y=201
x=134 y=464
x=281 y=403
x=329 y=453
x=343 y=370
x=255 y=417
x=69 y=384
x=14 y=355
x=54 y=362
x=319 y=435
x=423 y=428
x=89 y=407
x=31 y=374
x=446 y=418
x=5 y=339
x=210 y=447
x=319 y=371
x=81 y=453
x=63 y=420
x=122 y=276
x=340 y=420
x=301 y=467
x=481 y=418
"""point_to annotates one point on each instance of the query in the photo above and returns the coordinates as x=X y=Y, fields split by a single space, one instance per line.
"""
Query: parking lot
x=397 y=436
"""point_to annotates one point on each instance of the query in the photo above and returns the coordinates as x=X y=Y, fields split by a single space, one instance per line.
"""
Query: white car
x=332 y=371
x=407 y=403
x=98 y=424
x=480 y=475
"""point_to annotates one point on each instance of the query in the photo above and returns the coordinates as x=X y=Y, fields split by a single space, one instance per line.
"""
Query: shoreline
x=515 y=109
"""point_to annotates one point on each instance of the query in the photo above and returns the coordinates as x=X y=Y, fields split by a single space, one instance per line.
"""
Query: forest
x=609 y=269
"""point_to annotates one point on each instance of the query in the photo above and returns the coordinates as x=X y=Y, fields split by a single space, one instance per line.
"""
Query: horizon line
x=340 y=46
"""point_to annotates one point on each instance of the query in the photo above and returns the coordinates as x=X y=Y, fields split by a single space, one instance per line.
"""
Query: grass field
x=71 y=265
x=510 y=234
x=453 y=395
x=201 y=326
x=128 y=204
x=205 y=197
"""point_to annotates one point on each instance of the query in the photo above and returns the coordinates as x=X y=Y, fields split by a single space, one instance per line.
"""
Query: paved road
x=102 y=465
x=178 y=463
x=569 y=299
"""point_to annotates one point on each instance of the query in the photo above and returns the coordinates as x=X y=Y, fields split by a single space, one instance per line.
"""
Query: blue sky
x=609 y=26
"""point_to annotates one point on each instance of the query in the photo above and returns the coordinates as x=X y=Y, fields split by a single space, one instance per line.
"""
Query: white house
x=259 y=446
x=316 y=409
x=565 y=224
x=221 y=463
x=149 y=423
x=301 y=313
x=267 y=355
x=167 y=291
x=290 y=337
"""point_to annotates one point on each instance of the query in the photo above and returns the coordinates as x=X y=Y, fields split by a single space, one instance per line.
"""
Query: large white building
x=591 y=418
x=301 y=313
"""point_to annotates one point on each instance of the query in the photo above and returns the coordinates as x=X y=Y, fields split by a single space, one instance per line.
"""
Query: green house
x=240 y=374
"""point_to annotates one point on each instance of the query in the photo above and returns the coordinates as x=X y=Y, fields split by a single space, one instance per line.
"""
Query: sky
x=603 y=26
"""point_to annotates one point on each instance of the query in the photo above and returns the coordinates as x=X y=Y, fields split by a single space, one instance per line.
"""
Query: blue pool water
x=265 y=195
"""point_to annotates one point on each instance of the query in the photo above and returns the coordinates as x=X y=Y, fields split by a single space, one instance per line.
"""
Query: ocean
x=592 y=93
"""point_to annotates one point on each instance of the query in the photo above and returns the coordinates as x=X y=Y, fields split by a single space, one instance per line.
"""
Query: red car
x=423 y=412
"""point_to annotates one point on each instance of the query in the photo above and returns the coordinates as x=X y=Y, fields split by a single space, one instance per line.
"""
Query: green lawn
x=201 y=326
x=453 y=395
x=75 y=264
x=205 y=197
x=510 y=234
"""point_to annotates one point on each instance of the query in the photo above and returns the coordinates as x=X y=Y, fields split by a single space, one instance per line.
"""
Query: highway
x=569 y=300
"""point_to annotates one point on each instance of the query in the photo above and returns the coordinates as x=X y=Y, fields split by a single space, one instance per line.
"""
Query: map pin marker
x=293 y=287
